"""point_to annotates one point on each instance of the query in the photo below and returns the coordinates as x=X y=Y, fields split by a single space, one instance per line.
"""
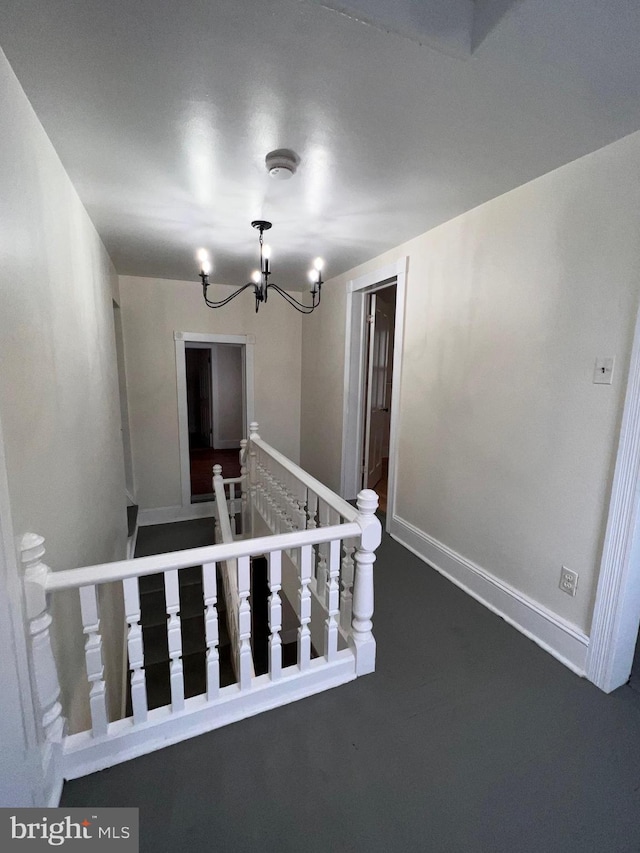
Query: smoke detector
x=282 y=163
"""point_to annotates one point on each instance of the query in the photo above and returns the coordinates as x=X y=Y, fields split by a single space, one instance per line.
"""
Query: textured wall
x=58 y=382
x=506 y=447
x=152 y=310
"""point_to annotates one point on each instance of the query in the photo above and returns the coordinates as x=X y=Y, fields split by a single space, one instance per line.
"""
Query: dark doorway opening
x=215 y=379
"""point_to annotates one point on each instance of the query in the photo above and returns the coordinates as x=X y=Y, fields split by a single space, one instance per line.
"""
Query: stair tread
x=153 y=605
x=154 y=630
x=195 y=680
x=155 y=582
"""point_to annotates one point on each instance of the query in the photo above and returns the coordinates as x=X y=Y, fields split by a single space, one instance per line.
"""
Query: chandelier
x=260 y=278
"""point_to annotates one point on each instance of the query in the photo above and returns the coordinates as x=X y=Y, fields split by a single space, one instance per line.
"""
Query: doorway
x=374 y=329
x=216 y=413
x=380 y=327
x=215 y=406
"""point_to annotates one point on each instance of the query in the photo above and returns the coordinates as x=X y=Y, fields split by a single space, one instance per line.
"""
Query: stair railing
x=302 y=528
x=285 y=499
x=236 y=581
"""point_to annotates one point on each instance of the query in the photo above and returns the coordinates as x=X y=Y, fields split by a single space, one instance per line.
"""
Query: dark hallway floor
x=467 y=739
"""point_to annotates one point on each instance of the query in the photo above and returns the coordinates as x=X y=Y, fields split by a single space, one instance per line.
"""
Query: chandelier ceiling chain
x=260 y=278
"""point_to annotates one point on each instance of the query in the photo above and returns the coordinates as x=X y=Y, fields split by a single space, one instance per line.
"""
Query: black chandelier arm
x=299 y=306
x=220 y=303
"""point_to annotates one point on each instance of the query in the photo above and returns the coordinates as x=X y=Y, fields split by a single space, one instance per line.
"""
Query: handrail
x=141 y=566
x=323 y=492
x=223 y=512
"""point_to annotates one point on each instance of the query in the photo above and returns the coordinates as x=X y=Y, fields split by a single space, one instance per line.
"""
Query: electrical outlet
x=568 y=581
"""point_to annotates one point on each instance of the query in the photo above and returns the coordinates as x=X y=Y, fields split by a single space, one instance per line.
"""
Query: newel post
x=45 y=674
x=361 y=639
x=217 y=527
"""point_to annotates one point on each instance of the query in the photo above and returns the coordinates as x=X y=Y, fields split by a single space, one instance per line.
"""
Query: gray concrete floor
x=467 y=739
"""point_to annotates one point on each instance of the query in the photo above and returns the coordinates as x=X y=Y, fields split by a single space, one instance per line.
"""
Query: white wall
x=506 y=447
x=227 y=404
x=58 y=382
x=152 y=310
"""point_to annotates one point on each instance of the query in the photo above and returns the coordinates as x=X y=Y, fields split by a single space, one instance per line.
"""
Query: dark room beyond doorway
x=216 y=412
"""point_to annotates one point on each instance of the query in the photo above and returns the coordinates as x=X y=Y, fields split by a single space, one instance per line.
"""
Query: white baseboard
x=53 y=779
x=85 y=754
x=55 y=794
x=168 y=514
x=552 y=633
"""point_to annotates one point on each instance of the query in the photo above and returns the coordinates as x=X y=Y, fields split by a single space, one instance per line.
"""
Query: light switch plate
x=603 y=371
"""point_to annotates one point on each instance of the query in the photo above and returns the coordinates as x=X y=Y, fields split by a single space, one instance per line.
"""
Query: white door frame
x=369 y=345
x=616 y=615
x=180 y=339
x=354 y=378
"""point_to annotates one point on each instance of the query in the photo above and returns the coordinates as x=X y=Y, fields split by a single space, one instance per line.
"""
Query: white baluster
x=232 y=502
x=45 y=675
x=297 y=493
x=333 y=602
x=209 y=582
x=264 y=493
x=301 y=499
x=304 y=608
x=275 y=615
x=174 y=637
x=253 y=433
x=259 y=487
x=93 y=656
x=281 y=515
x=361 y=638
x=244 y=623
x=244 y=488
x=277 y=509
x=292 y=507
x=333 y=518
x=284 y=500
x=271 y=503
x=323 y=549
x=312 y=509
x=217 y=477
x=285 y=521
x=130 y=588
x=346 y=579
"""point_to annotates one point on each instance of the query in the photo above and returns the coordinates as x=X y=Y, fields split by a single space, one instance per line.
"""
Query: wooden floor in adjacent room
x=202 y=461
x=468 y=738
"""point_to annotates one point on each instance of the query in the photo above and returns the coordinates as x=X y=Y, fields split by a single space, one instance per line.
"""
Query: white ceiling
x=162 y=113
